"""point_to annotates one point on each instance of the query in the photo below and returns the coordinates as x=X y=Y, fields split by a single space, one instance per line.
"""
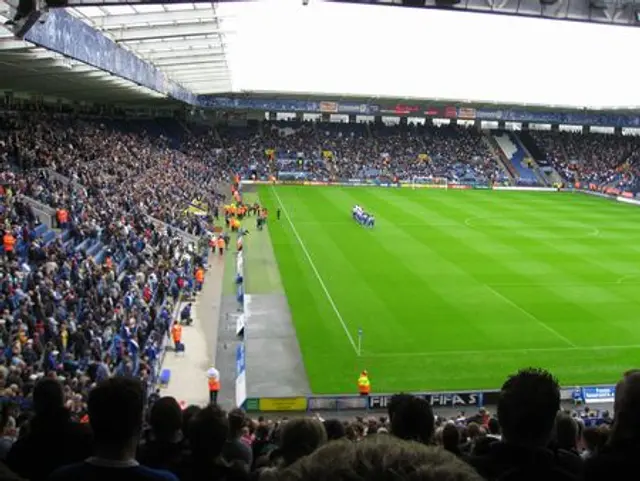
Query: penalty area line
x=315 y=271
x=531 y=316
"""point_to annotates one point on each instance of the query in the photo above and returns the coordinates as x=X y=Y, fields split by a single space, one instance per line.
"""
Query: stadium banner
x=329 y=107
x=482 y=187
x=482 y=114
x=450 y=112
x=459 y=186
x=466 y=113
x=351 y=108
x=531 y=189
x=240 y=324
x=437 y=399
x=282 y=404
x=598 y=394
x=241 y=375
x=434 y=112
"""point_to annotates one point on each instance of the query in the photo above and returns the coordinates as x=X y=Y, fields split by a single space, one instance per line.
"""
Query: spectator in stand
x=379 y=458
x=115 y=414
x=411 y=418
x=451 y=439
x=164 y=446
x=567 y=433
x=208 y=433
x=234 y=449
x=50 y=435
x=527 y=408
x=335 y=429
x=619 y=457
x=299 y=438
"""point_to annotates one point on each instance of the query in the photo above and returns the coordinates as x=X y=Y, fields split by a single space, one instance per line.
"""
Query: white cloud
x=280 y=45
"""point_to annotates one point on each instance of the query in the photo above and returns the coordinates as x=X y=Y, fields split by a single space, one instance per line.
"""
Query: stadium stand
x=92 y=296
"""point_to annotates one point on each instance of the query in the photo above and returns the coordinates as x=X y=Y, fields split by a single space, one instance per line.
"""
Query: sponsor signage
x=322 y=404
x=628 y=201
x=466 y=113
x=444 y=399
x=489 y=114
x=329 y=107
x=283 y=404
x=458 y=186
x=450 y=112
x=347 y=108
x=598 y=394
x=434 y=112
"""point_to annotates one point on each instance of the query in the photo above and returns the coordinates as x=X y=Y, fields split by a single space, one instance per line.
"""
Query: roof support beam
x=190 y=60
x=169 y=31
x=111 y=21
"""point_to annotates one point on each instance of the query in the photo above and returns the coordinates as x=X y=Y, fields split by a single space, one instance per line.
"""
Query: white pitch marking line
x=503 y=351
x=531 y=316
x=315 y=270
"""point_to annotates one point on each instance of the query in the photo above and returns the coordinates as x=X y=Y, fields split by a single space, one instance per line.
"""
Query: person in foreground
x=527 y=408
x=115 y=415
x=379 y=457
x=618 y=459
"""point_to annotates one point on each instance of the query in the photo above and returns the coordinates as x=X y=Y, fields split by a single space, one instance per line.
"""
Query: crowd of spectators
x=70 y=320
x=529 y=437
x=96 y=298
x=605 y=160
x=341 y=151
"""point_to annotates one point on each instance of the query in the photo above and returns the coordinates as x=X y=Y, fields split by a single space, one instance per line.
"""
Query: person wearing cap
x=213 y=376
x=364 y=385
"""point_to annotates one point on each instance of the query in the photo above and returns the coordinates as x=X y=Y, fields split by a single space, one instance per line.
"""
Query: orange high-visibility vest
x=8 y=241
x=176 y=332
x=214 y=385
x=200 y=275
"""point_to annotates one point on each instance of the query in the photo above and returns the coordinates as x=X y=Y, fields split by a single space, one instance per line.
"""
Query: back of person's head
x=527 y=407
x=450 y=438
x=48 y=396
x=165 y=418
x=207 y=432
x=115 y=411
x=300 y=437
x=379 y=458
x=335 y=429
x=413 y=420
x=566 y=430
x=626 y=424
x=188 y=414
x=396 y=401
x=237 y=421
x=592 y=439
x=620 y=388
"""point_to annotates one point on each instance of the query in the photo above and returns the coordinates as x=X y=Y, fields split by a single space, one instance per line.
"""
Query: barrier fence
x=463 y=399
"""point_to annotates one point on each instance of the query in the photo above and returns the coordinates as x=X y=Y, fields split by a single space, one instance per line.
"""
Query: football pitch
x=454 y=290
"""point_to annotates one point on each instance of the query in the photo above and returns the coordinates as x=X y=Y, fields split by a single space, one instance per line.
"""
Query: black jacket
x=51 y=441
x=506 y=462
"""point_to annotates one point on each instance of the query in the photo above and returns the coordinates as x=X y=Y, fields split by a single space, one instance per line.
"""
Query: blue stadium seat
x=165 y=377
x=40 y=230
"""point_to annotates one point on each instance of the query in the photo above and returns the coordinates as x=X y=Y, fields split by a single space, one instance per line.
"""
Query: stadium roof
x=348 y=49
x=186 y=41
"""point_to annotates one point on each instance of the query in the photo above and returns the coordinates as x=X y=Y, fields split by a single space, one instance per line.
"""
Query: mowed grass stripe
x=340 y=249
x=569 y=310
x=467 y=286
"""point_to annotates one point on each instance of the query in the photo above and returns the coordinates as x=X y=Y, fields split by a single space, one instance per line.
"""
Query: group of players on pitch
x=363 y=218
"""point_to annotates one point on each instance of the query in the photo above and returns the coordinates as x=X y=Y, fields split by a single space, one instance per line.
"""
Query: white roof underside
x=345 y=50
x=27 y=68
x=186 y=41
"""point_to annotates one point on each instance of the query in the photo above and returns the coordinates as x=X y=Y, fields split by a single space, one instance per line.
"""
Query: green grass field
x=456 y=289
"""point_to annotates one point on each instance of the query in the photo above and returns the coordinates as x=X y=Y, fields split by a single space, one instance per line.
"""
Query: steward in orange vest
x=214 y=384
